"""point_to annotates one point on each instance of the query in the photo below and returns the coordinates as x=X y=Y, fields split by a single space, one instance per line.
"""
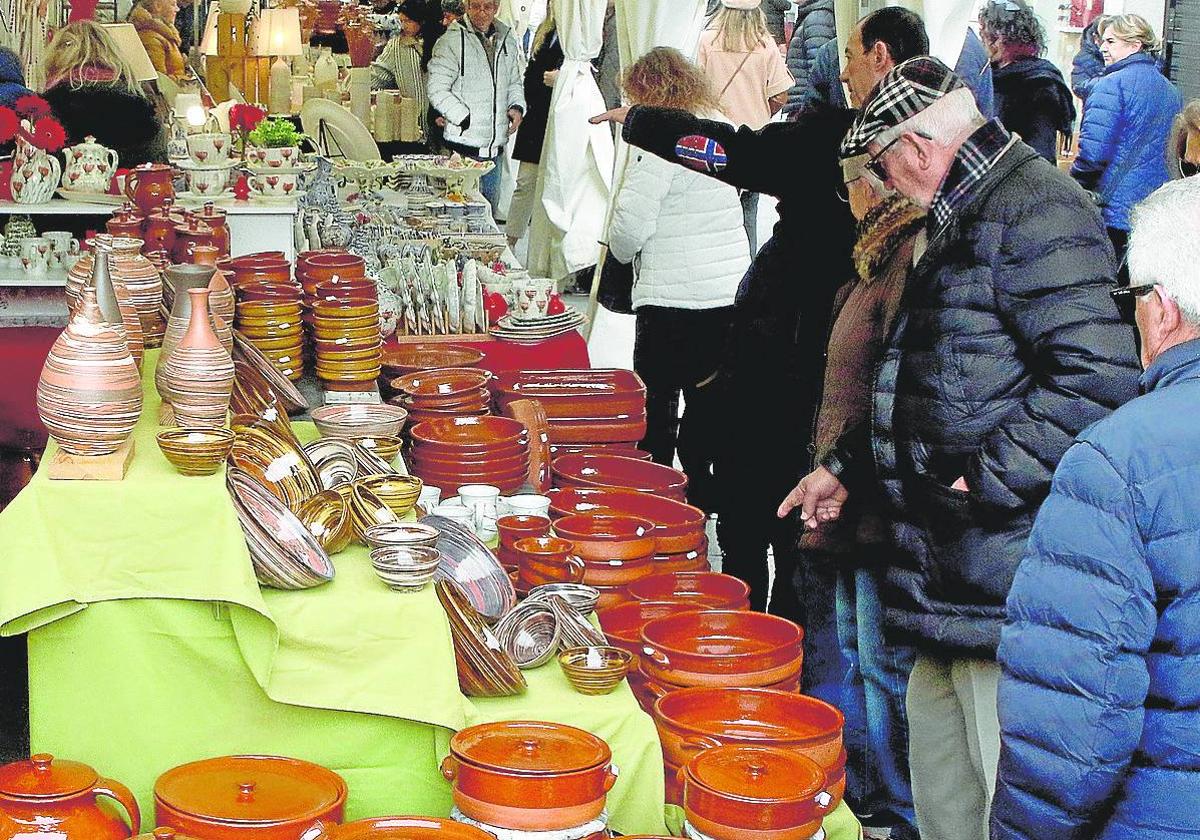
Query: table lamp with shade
x=129 y=47
x=279 y=36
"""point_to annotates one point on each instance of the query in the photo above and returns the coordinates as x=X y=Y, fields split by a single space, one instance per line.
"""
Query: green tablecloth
x=179 y=655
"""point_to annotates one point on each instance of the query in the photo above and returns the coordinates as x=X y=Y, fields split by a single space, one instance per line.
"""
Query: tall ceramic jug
x=48 y=797
x=115 y=303
x=197 y=378
x=180 y=278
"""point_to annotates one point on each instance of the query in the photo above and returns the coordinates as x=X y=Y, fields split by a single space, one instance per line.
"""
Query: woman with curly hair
x=93 y=91
x=1183 y=147
x=1032 y=98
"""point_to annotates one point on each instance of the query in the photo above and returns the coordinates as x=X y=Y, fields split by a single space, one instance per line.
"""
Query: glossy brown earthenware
x=51 y=798
x=618 y=471
x=678 y=527
x=722 y=647
x=396 y=828
x=599 y=536
x=710 y=590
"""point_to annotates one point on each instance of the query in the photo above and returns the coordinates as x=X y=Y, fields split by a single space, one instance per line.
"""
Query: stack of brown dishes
x=720 y=648
x=452 y=451
x=616 y=551
x=706 y=590
x=446 y=392
x=484 y=668
x=623 y=625
x=414 y=358
x=284 y=553
x=346 y=340
x=268 y=315
x=693 y=719
x=598 y=407
x=619 y=471
x=677 y=527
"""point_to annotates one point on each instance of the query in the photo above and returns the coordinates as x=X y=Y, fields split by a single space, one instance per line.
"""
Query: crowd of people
x=986 y=544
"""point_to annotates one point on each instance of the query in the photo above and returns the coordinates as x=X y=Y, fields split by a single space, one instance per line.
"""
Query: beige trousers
x=954 y=745
x=520 y=210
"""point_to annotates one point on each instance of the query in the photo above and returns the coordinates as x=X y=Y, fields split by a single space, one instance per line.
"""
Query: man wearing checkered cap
x=1007 y=345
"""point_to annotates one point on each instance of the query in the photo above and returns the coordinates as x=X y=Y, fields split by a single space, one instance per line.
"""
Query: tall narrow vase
x=182 y=278
x=116 y=305
x=197 y=378
x=89 y=395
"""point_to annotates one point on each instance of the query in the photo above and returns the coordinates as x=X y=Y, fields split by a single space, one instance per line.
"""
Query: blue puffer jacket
x=1123 y=138
x=1088 y=64
x=814 y=28
x=1100 y=689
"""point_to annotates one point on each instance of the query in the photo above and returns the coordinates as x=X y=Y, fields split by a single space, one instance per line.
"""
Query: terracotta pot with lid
x=52 y=798
x=248 y=796
x=396 y=828
x=529 y=775
x=754 y=793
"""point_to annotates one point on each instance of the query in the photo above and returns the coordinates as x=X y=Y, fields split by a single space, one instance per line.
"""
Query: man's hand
x=961 y=484
x=616 y=115
x=820 y=497
x=514 y=120
x=549 y=78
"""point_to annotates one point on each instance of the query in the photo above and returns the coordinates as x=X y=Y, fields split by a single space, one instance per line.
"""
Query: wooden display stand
x=234 y=65
x=64 y=466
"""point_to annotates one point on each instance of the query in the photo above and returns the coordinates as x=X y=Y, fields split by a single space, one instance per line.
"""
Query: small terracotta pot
x=519 y=526
x=61 y=795
x=542 y=560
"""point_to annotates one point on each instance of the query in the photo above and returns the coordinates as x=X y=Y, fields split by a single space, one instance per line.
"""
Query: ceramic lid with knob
x=45 y=776
x=761 y=774
x=530 y=747
x=251 y=789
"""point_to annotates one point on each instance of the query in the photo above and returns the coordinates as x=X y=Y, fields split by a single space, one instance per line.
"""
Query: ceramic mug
x=525 y=504
x=482 y=501
x=35 y=254
x=275 y=158
x=210 y=147
x=207 y=181
x=63 y=247
x=275 y=184
x=457 y=513
x=430 y=497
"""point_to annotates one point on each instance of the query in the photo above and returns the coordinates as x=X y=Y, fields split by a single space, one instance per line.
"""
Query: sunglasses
x=1187 y=169
x=1126 y=297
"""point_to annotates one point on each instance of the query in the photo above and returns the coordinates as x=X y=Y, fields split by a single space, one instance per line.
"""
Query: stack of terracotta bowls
x=445 y=392
x=704 y=590
x=678 y=527
x=623 y=625
x=268 y=311
x=413 y=358
x=598 y=407
x=520 y=776
x=344 y=321
x=449 y=452
x=616 y=550
x=693 y=719
x=619 y=471
x=720 y=648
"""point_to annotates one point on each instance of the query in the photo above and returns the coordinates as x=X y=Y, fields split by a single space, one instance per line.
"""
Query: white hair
x=1164 y=244
x=943 y=121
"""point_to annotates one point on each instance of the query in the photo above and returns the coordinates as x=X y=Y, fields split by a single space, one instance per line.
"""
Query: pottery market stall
x=151 y=645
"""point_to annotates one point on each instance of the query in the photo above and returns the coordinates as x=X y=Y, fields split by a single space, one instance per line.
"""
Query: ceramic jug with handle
x=44 y=796
x=89 y=166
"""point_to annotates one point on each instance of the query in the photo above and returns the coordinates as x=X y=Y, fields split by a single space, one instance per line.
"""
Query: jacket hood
x=502 y=28
x=10 y=68
x=1025 y=73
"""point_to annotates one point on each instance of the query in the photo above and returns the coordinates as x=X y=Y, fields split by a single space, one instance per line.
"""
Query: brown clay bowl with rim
x=195 y=451
x=410 y=358
x=443 y=383
x=518 y=526
x=617 y=572
x=596 y=669
x=710 y=590
x=487 y=464
x=463 y=435
x=387 y=447
x=611 y=597
x=599 y=536
x=623 y=624
x=618 y=471
x=678 y=527
x=740 y=648
x=283 y=292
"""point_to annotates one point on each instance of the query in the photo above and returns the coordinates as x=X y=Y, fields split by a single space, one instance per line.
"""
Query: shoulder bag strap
x=721 y=95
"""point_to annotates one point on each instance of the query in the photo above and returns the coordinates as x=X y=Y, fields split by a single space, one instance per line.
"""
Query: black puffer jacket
x=1007 y=346
x=814 y=26
x=1032 y=100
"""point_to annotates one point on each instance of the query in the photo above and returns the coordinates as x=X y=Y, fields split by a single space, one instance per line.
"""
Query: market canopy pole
x=641 y=26
x=575 y=178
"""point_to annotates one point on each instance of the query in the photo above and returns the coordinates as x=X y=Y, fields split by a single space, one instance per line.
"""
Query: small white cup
x=482 y=501
x=63 y=246
x=430 y=497
x=525 y=504
x=35 y=254
x=457 y=513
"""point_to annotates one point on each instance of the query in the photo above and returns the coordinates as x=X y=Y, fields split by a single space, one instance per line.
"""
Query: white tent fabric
x=577 y=158
x=641 y=25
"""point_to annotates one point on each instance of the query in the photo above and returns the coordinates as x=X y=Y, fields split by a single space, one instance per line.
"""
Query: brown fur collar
x=886 y=226
x=142 y=19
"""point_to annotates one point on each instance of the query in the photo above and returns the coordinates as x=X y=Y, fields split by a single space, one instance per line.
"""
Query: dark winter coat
x=122 y=121
x=824 y=82
x=775 y=361
x=1098 y=694
x=1088 y=63
x=12 y=79
x=1032 y=100
x=774 y=11
x=1124 y=134
x=814 y=27
x=532 y=133
x=1007 y=345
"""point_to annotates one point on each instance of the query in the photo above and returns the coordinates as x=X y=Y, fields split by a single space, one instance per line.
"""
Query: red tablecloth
x=22 y=353
x=568 y=352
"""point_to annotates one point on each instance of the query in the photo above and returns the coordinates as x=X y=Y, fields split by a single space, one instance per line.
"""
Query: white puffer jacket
x=461 y=83
x=688 y=228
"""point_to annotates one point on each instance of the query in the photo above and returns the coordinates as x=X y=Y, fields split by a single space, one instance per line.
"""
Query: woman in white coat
x=683 y=233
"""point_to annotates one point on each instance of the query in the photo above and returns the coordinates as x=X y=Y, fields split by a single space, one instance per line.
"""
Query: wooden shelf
x=10 y=277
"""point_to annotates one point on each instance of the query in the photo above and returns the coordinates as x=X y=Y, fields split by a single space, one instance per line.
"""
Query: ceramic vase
x=116 y=305
x=142 y=279
x=197 y=378
x=35 y=174
x=89 y=394
x=181 y=278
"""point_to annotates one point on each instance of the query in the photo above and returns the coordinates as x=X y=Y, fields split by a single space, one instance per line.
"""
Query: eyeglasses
x=874 y=164
x=1187 y=169
x=1130 y=292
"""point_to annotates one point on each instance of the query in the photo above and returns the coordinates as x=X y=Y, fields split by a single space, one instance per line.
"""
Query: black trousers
x=674 y=352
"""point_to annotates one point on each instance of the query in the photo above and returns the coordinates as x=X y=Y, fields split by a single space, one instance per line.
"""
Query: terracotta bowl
x=460 y=435
x=617 y=471
x=617 y=572
x=710 y=590
x=599 y=536
x=518 y=526
x=410 y=358
x=356 y=421
x=623 y=623
x=741 y=648
x=195 y=451
x=443 y=384
x=505 y=464
x=678 y=527
x=596 y=669
x=612 y=597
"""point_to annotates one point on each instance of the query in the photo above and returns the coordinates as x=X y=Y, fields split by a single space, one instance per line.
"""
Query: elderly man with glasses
x=1007 y=344
x=1099 y=656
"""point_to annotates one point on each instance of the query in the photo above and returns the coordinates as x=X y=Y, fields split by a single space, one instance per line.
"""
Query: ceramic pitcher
x=36 y=178
x=90 y=166
x=45 y=797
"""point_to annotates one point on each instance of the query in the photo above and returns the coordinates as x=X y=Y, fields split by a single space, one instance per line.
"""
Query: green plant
x=275 y=134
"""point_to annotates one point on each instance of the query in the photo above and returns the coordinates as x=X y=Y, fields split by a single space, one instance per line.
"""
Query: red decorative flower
x=32 y=107
x=48 y=134
x=245 y=117
x=10 y=124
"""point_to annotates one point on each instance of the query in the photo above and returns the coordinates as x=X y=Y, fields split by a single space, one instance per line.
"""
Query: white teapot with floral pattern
x=89 y=166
